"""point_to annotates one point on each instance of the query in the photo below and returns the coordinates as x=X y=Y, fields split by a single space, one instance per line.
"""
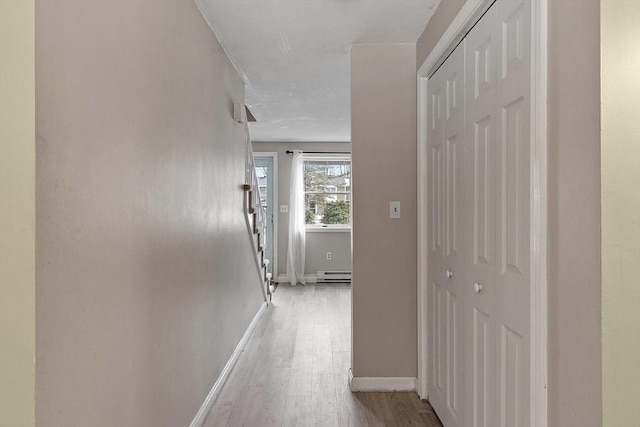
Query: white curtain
x=297 y=233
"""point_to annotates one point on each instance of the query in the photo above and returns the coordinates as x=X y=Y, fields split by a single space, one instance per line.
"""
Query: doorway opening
x=266 y=165
x=327 y=226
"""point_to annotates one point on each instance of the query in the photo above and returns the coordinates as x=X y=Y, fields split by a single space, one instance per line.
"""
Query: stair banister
x=254 y=211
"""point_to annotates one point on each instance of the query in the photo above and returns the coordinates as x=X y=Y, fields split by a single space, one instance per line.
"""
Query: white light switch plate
x=284 y=208
x=394 y=210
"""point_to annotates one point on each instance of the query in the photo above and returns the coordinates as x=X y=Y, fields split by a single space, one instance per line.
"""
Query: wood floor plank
x=238 y=377
x=341 y=362
x=294 y=370
x=384 y=406
x=370 y=409
x=300 y=382
x=430 y=419
x=404 y=413
x=324 y=401
x=297 y=411
x=258 y=407
x=351 y=412
x=218 y=416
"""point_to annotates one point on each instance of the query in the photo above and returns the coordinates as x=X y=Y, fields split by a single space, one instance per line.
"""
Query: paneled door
x=497 y=288
x=481 y=179
x=478 y=195
x=445 y=234
x=512 y=307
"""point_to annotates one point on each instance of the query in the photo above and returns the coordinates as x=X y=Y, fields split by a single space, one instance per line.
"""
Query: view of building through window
x=261 y=174
x=327 y=184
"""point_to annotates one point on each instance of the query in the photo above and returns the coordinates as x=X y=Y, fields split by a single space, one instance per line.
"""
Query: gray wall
x=574 y=261
x=438 y=24
x=383 y=131
x=574 y=278
x=318 y=243
x=144 y=283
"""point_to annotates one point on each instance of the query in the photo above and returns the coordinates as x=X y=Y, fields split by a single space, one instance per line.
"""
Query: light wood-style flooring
x=293 y=371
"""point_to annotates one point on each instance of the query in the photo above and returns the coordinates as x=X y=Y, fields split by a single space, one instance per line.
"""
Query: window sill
x=328 y=229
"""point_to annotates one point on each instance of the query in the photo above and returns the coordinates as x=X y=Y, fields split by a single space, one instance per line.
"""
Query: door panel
x=511 y=203
x=511 y=378
x=482 y=191
x=436 y=371
x=454 y=341
x=441 y=367
x=453 y=195
x=435 y=196
x=480 y=370
x=479 y=236
x=437 y=199
x=446 y=197
x=481 y=265
x=512 y=305
x=454 y=137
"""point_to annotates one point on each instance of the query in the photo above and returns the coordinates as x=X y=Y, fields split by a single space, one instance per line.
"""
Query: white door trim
x=423 y=265
x=466 y=18
x=538 y=213
x=274 y=156
x=461 y=24
x=381 y=384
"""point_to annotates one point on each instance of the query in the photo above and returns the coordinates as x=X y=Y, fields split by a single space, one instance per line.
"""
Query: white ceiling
x=294 y=56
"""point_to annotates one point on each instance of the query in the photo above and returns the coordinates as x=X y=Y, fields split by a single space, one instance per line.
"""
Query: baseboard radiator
x=334 y=276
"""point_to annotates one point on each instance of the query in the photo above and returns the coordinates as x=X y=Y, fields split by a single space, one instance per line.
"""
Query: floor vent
x=334 y=277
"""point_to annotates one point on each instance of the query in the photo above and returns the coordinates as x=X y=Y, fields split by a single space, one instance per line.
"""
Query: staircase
x=255 y=217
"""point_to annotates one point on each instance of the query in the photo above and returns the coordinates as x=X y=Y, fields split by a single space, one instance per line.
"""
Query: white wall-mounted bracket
x=239 y=113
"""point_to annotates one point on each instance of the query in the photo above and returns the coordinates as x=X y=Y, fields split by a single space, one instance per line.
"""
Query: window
x=261 y=174
x=327 y=183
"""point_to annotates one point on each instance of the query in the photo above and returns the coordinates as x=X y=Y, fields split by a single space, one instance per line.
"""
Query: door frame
x=274 y=156
x=466 y=18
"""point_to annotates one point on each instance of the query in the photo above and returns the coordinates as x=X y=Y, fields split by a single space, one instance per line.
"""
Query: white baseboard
x=309 y=278
x=381 y=383
x=217 y=387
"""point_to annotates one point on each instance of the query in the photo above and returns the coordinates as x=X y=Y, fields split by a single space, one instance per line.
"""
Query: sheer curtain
x=297 y=232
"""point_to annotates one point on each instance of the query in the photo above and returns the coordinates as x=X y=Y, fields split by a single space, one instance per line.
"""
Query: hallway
x=293 y=371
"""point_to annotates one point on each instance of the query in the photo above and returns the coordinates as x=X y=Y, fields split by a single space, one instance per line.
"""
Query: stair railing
x=255 y=217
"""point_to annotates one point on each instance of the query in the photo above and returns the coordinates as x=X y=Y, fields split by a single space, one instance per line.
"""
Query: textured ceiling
x=294 y=56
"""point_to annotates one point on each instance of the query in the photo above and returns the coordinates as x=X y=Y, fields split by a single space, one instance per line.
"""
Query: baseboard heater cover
x=334 y=276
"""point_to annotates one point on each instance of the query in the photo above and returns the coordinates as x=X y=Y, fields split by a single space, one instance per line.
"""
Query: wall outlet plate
x=284 y=208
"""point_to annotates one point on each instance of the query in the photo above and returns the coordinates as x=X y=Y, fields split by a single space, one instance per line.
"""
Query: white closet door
x=481 y=263
x=436 y=371
x=478 y=158
x=512 y=285
x=446 y=204
x=497 y=288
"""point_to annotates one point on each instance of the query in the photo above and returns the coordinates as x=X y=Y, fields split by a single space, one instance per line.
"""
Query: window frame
x=330 y=228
